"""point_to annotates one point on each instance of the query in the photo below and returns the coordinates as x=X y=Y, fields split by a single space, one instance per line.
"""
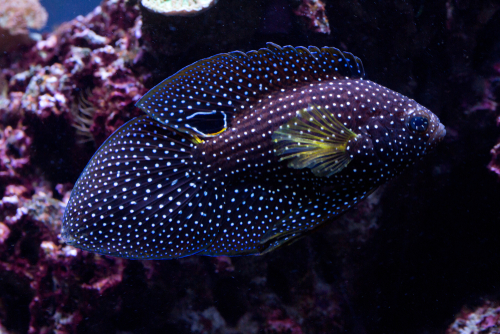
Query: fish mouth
x=439 y=133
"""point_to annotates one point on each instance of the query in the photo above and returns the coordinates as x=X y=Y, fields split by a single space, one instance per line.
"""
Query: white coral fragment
x=178 y=7
x=17 y=16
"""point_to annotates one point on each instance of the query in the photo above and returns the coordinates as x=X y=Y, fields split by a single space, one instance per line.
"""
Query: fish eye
x=419 y=123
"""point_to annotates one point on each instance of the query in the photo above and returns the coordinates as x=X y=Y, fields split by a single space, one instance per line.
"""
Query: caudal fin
x=142 y=196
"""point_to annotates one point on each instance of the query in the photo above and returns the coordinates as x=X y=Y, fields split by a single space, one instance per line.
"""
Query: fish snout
x=438 y=134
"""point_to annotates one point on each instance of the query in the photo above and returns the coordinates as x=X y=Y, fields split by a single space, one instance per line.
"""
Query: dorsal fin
x=202 y=98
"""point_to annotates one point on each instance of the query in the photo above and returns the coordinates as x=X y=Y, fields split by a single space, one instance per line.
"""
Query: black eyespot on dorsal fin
x=228 y=83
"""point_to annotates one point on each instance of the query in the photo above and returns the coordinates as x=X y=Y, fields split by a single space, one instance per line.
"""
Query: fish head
x=394 y=139
x=425 y=128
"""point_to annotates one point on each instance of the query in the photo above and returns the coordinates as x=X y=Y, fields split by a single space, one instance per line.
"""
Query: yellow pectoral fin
x=314 y=139
x=196 y=140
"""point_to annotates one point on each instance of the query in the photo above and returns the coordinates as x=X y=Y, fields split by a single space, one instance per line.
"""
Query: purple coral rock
x=314 y=13
x=483 y=320
x=14 y=153
x=83 y=69
x=278 y=324
x=494 y=164
x=4 y=233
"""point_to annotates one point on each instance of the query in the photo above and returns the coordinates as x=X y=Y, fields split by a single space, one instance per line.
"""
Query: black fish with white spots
x=241 y=153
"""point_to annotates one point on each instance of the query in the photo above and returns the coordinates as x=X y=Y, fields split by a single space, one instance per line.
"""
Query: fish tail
x=143 y=195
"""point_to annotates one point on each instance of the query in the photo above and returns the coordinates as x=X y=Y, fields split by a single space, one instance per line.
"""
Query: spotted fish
x=241 y=153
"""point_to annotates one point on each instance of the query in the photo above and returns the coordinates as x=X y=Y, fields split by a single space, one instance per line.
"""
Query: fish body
x=243 y=153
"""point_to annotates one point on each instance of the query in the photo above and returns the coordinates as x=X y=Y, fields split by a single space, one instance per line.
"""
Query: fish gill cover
x=241 y=153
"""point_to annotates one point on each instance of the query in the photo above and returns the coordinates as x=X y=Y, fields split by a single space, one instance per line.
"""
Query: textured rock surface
x=484 y=319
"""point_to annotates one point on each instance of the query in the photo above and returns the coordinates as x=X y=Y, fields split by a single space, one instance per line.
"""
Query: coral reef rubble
x=484 y=319
x=314 y=13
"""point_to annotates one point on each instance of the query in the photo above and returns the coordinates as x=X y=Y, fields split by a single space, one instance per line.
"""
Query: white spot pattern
x=150 y=193
x=229 y=83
